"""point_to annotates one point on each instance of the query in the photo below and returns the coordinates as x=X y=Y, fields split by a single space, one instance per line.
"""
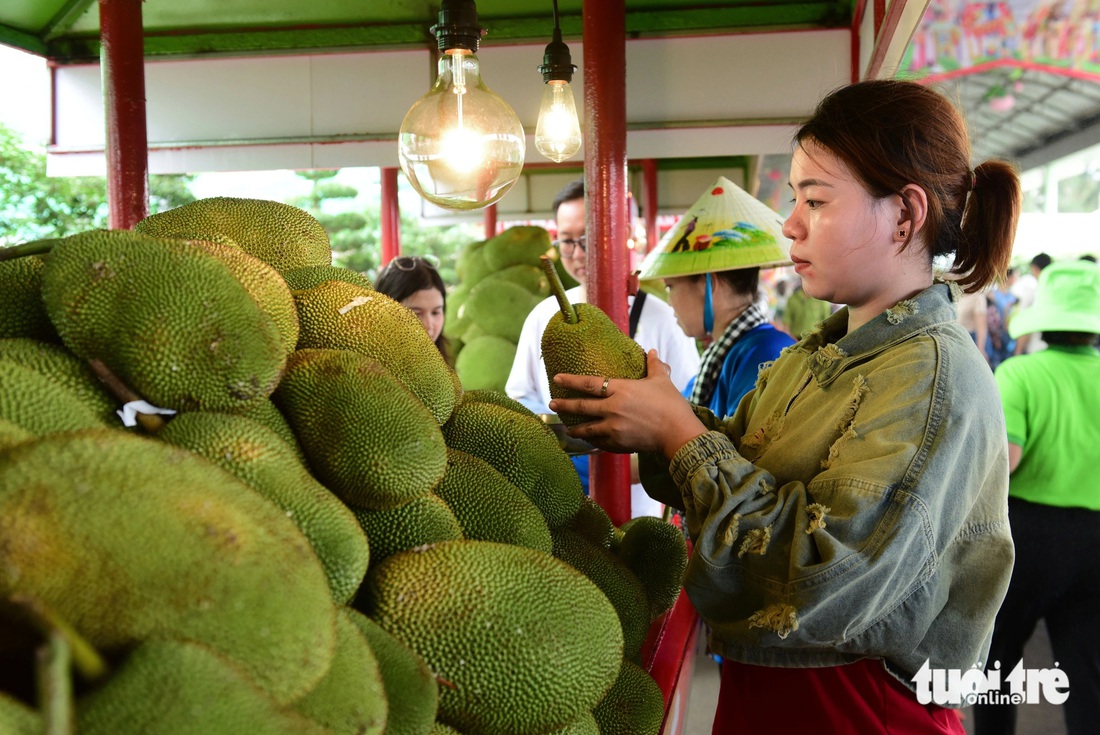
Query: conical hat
x=724 y=230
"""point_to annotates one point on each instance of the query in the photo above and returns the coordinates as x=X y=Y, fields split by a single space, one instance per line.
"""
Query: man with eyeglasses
x=653 y=326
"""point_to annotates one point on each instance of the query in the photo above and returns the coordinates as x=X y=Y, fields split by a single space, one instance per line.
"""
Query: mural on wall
x=954 y=35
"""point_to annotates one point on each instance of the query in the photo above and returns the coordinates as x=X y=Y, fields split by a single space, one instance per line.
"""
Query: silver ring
x=603 y=390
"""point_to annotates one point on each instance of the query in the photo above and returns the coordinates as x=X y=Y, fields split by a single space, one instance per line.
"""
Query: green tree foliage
x=356 y=234
x=35 y=206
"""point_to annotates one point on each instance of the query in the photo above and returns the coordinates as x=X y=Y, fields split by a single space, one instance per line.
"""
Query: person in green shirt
x=1051 y=403
x=804 y=312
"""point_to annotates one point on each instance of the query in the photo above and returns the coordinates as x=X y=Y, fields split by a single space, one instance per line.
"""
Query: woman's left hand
x=647 y=415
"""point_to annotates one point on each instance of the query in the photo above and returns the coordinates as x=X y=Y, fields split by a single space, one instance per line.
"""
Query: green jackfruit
x=470 y=265
x=170 y=320
x=583 y=725
x=12 y=433
x=520 y=449
x=175 y=687
x=593 y=523
x=40 y=406
x=518 y=245
x=18 y=719
x=301 y=279
x=340 y=316
x=634 y=706
x=411 y=690
x=580 y=339
x=259 y=458
x=520 y=641
x=614 y=578
x=280 y=235
x=442 y=728
x=488 y=507
x=66 y=370
x=426 y=520
x=270 y=416
x=500 y=398
x=526 y=276
x=368 y=439
x=499 y=307
x=657 y=553
x=22 y=313
x=484 y=363
x=126 y=538
x=351 y=699
x=454 y=313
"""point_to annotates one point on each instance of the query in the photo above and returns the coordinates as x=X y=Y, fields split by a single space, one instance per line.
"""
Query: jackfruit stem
x=568 y=311
x=85 y=659
x=151 y=423
x=35 y=247
x=53 y=663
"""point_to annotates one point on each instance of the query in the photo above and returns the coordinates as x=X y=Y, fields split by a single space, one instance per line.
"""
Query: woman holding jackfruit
x=850 y=520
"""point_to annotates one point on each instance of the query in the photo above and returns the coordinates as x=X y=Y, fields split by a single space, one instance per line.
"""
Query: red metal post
x=649 y=183
x=605 y=186
x=490 y=221
x=391 y=216
x=122 y=59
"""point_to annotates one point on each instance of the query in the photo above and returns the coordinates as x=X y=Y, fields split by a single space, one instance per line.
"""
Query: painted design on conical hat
x=724 y=230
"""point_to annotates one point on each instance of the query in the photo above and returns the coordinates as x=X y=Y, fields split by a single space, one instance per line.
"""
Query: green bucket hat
x=1067 y=300
x=726 y=229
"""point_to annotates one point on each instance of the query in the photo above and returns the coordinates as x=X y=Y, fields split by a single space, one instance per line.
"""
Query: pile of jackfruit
x=241 y=491
x=499 y=281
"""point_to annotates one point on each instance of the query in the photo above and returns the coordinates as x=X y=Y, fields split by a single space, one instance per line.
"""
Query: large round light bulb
x=558 y=133
x=460 y=145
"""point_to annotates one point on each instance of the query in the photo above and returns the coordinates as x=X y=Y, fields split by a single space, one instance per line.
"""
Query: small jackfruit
x=258 y=457
x=127 y=538
x=519 y=641
x=179 y=687
x=517 y=245
x=412 y=694
x=580 y=339
x=301 y=279
x=341 y=316
x=426 y=520
x=634 y=706
x=22 y=313
x=520 y=448
x=488 y=507
x=280 y=235
x=657 y=553
x=367 y=438
x=168 y=319
x=351 y=699
x=484 y=363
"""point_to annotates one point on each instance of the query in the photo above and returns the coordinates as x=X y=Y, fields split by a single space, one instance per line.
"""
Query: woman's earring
x=901 y=233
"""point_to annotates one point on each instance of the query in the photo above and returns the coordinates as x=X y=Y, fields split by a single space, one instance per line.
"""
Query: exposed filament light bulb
x=558 y=132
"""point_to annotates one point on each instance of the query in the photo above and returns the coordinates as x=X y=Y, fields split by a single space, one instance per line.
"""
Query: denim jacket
x=855 y=506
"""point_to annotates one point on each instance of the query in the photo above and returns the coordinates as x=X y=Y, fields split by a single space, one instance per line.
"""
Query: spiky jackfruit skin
x=170 y=320
x=264 y=285
x=40 y=406
x=267 y=414
x=426 y=520
x=519 y=448
x=592 y=346
x=634 y=706
x=351 y=699
x=22 y=313
x=341 y=316
x=500 y=398
x=484 y=363
x=583 y=725
x=622 y=586
x=127 y=538
x=412 y=693
x=282 y=236
x=488 y=507
x=66 y=370
x=499 y=307
x=12 y=433
x=17 y=718
x=657 y=553
x=442 y=728
x=302 y=279
x=174 y=687
x=367 y=438
x=521 y=642
x=259 y=458
x=593 y=523
x=520 y=244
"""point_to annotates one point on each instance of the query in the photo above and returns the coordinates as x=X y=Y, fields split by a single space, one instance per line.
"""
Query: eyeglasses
x=569 y=247
x=410 y=262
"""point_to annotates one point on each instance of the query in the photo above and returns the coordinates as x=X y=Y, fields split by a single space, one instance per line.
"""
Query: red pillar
x=490 y=225
x=122 y=58
x=605 y=186
x=391 y=216
x=649 y=183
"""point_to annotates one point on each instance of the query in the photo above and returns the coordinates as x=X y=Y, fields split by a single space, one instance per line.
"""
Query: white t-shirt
x=657 y=330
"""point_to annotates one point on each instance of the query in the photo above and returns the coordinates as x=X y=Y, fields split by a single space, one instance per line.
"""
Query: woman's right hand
x=647 y=415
